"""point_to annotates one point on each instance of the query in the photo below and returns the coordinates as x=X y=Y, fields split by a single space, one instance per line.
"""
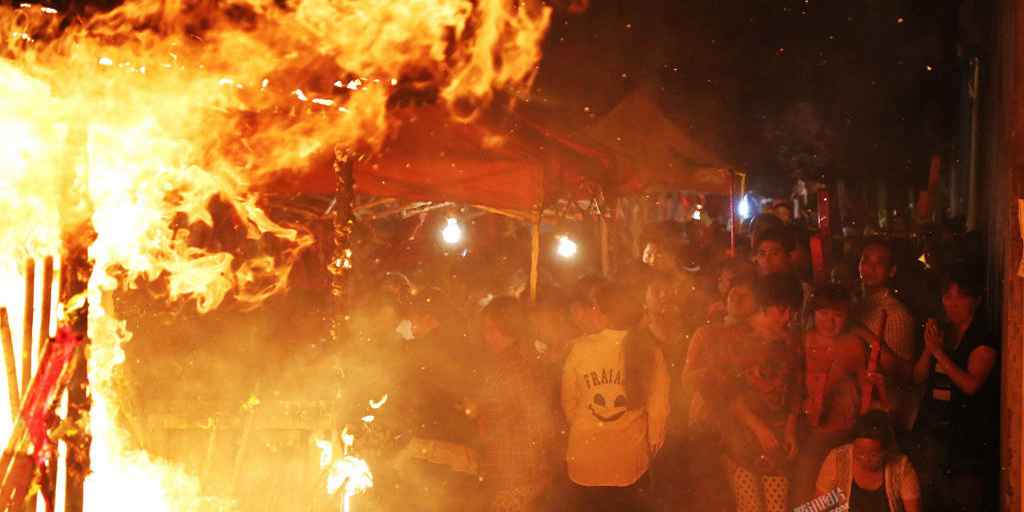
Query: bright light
x=452 y=232
x=744 y=208
x=696 y=215
x=566 y=247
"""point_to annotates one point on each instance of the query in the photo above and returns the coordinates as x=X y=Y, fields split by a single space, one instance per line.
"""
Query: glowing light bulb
x=452 y=232
x=743 y=209
x=696 y=215
x=566 y=247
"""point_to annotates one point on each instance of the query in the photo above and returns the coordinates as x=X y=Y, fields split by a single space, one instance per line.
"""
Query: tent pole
x=534 y=254
x=732 y=213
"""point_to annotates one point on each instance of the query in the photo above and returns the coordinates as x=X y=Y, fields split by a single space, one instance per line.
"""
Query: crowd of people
x=701 y=378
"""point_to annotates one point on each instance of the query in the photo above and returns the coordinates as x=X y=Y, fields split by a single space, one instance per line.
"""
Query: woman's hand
x=933 y=337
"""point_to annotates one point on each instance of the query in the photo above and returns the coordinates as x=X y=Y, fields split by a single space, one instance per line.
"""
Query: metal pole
x=732 y=213
x=534 y=254
x=972 y=176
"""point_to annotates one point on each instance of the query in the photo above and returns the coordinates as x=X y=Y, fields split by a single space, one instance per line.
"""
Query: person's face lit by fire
x=869 y=454
x=740 y=303
x=959 y=306
x=876 y=267
x=658 y=257
x=771 y=258
x=830 y=322
x=778 y=317
x=784 y=213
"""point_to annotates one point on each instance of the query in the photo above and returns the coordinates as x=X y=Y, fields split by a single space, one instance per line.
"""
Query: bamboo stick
x=49 y=484
x=27 y=339
x=13 y=389
x=26 y=336
x=47 y=302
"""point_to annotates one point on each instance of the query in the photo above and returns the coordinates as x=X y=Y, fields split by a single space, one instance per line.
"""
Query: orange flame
x=133 y=121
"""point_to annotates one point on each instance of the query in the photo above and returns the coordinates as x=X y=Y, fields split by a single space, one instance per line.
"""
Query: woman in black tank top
x=862 y=500
x=959 y=422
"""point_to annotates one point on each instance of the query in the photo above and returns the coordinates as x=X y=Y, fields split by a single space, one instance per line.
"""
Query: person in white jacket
x=615 y=395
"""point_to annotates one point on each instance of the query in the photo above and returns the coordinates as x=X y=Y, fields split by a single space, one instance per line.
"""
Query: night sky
x=782 y=87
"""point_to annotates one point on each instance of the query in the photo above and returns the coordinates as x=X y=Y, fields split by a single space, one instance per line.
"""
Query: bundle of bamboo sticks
x=33 y=335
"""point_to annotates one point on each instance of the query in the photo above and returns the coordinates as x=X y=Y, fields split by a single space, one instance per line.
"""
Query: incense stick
x=13 y=390
x=47 y=302
x=26 y=330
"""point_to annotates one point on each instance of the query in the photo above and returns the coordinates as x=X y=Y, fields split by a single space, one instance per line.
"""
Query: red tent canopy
x=653 y=152
x=505 y=164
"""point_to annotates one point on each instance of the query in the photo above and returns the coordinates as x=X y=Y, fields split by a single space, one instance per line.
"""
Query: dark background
x=779 y=88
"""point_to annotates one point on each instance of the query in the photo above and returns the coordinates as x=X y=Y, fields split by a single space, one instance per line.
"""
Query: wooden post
x=534 y=253
x=10 y=364
x=75 y=272
x=1005 y=180
x=26 y=328
x=343 y=221
x=49 y=489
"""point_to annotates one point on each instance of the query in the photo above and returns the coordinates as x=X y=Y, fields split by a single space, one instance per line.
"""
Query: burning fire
x=121 y=129
x=347 y=473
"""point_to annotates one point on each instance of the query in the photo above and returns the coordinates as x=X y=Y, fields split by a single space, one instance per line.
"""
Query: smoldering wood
x=75 y=272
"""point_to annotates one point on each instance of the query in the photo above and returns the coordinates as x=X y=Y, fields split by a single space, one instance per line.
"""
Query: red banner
x=50 y=380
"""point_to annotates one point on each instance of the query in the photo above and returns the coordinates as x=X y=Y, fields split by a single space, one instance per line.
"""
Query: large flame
x=132 y=122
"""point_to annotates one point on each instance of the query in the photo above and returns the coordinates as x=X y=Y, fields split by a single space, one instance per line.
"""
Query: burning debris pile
x=121 y=128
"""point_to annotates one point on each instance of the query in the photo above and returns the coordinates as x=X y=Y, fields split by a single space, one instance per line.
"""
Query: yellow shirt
x=608 y=443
